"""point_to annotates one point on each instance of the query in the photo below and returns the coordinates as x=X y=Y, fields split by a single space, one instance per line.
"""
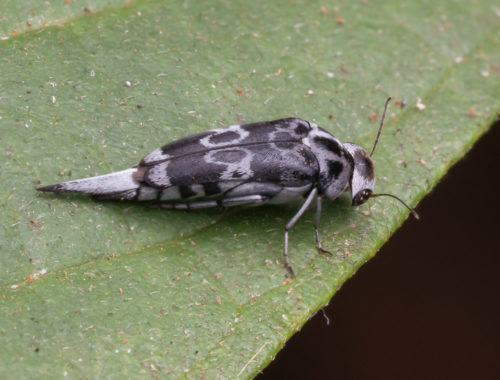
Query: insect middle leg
x=292 y=222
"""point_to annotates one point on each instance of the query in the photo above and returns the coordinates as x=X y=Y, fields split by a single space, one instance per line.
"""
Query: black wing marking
x=276 y=131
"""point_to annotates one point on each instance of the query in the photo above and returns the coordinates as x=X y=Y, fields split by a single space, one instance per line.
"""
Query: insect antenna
x=413 y=212
x=381 y=125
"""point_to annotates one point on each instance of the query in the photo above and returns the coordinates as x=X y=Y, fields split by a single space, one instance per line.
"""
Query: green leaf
x=96 y=289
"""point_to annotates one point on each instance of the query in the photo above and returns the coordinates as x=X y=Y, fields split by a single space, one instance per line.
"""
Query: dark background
x=428 y=305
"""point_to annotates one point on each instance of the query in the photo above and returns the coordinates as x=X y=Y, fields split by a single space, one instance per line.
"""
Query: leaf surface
x=94 y=289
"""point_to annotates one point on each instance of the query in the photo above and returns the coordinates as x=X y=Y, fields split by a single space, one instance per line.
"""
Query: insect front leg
x=292 y=222
x=316 y=226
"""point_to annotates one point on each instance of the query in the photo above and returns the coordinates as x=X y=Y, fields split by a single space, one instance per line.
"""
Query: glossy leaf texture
x=108 y=289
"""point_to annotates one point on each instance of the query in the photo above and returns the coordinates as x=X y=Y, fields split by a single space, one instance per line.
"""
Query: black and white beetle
x=268 y=162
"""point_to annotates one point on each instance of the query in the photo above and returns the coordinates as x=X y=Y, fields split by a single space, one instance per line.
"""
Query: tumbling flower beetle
x=267 y=162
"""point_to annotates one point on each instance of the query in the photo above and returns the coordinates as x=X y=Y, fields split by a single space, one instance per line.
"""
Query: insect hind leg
x=224 y=202
x=243 y=200
x=185 y=206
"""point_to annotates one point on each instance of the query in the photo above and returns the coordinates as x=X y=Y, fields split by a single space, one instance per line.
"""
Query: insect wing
x=258 y=169
x=282 y=130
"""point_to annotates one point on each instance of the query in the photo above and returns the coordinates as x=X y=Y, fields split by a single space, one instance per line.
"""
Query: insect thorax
x=335 y=162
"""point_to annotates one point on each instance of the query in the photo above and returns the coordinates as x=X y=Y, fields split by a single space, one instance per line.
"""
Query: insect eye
x=361 y=197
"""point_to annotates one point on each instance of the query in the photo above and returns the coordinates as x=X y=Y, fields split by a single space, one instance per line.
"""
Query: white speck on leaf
x=420 y=106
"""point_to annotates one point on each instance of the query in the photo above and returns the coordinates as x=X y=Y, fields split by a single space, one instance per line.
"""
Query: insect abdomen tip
x=51 y=188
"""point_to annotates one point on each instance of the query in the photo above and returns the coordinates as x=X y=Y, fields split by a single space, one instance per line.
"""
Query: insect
x=268 y=162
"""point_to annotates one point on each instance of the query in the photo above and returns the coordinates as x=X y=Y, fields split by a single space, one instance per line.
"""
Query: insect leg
x=185 y=206
x=316 y=225
x=224 y=202
x=243 y=200
x=292 y=222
